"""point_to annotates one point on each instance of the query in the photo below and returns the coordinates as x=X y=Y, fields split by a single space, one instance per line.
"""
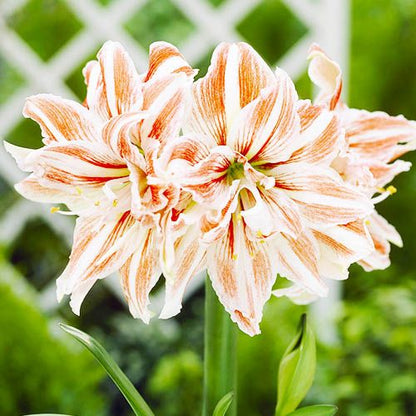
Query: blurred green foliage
x=370 y=372
x=159 y=20
x=177 y=383
x=45 y=25
x=39 y=372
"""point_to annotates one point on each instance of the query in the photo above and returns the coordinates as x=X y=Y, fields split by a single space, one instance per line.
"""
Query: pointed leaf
x=223 y=405
x=317 y=410
x=296 y=370
x=47 y=414
x=133 y=397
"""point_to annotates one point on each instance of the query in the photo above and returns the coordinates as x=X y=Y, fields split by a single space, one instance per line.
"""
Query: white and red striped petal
x=270 y=211
x=208 y=181
x=266 y=129
x=327 y=75
x=141 y=272
x=167 y=102
x=297 y=294
x=377 y=135
x=242 y=274
x=31 y=188
x=322 y=196
x=321 y=136
x=164 y=59
x=297 y=260
x=384 y=173
x=235 y=78
x=382 y=233
x=186 y=260
x=121 y=82
x=76 y=164
x=100 y=248
x=62 y=120
x=340 y=246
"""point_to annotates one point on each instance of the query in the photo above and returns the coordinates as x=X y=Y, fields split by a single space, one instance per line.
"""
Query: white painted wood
x=334 y=37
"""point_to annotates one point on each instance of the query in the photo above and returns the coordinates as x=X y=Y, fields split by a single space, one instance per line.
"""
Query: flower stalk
x=219 y=354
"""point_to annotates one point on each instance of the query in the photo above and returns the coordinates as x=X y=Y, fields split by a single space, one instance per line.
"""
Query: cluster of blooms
x=233 y=173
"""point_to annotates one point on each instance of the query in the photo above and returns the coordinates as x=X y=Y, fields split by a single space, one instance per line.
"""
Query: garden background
x=367 y=368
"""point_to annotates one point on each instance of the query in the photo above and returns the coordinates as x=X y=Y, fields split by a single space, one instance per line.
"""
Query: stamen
x=391 y=189
x=55 y=209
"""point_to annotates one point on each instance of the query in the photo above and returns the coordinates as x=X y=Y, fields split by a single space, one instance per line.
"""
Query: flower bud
x=296 y=370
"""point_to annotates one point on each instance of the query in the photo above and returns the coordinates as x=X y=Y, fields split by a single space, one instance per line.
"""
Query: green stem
x=219 y=355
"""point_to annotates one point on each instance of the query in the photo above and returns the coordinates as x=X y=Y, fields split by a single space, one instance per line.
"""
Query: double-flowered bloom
x=232 y=173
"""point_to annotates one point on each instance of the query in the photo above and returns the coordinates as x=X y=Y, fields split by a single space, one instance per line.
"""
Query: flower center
x=235 y=171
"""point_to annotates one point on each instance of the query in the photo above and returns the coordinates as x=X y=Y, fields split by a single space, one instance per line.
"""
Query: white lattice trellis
x=326 y=20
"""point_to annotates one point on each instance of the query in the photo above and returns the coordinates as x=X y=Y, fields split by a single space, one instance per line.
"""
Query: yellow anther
x=79 y=190
x=262 y=241
x=381 y=190
x=97 y=203
x=392 y=189
x=259 y=233
x=235 y=256
x=239 y=217
x=115 y=202
x=55 y=209
x=367 y=222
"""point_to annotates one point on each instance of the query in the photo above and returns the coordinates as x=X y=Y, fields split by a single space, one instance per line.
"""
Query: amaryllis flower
x=374 y=142
x=258 y=161
x=98 y=159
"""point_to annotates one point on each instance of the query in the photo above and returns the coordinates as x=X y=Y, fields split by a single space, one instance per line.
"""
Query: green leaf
x=317 y=410
x=223 y=405
x=133 y=397
x=296 y=370
x=47 y=414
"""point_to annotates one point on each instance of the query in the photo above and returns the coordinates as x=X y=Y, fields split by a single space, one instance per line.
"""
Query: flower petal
x=187 y=260
x=377 y=135
x=20 y=155
x=118 y=135
x=382 y=234
x=207 y=181
x=384 y=173
x=75 y=165
x=321 y=194
x=122 y=84
x=272 y=211
x=167 y=101
x=321 y=136
x=32 y=189
x=62 y=120
x=297 y=260
x=235 y=78
x=100 y=248
x=242 y=275
x=296 y=294
x=165 y=59
x=141 y=272
x=327 y=75
x=340 y=246
x=266 y=129
x=96 y=99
